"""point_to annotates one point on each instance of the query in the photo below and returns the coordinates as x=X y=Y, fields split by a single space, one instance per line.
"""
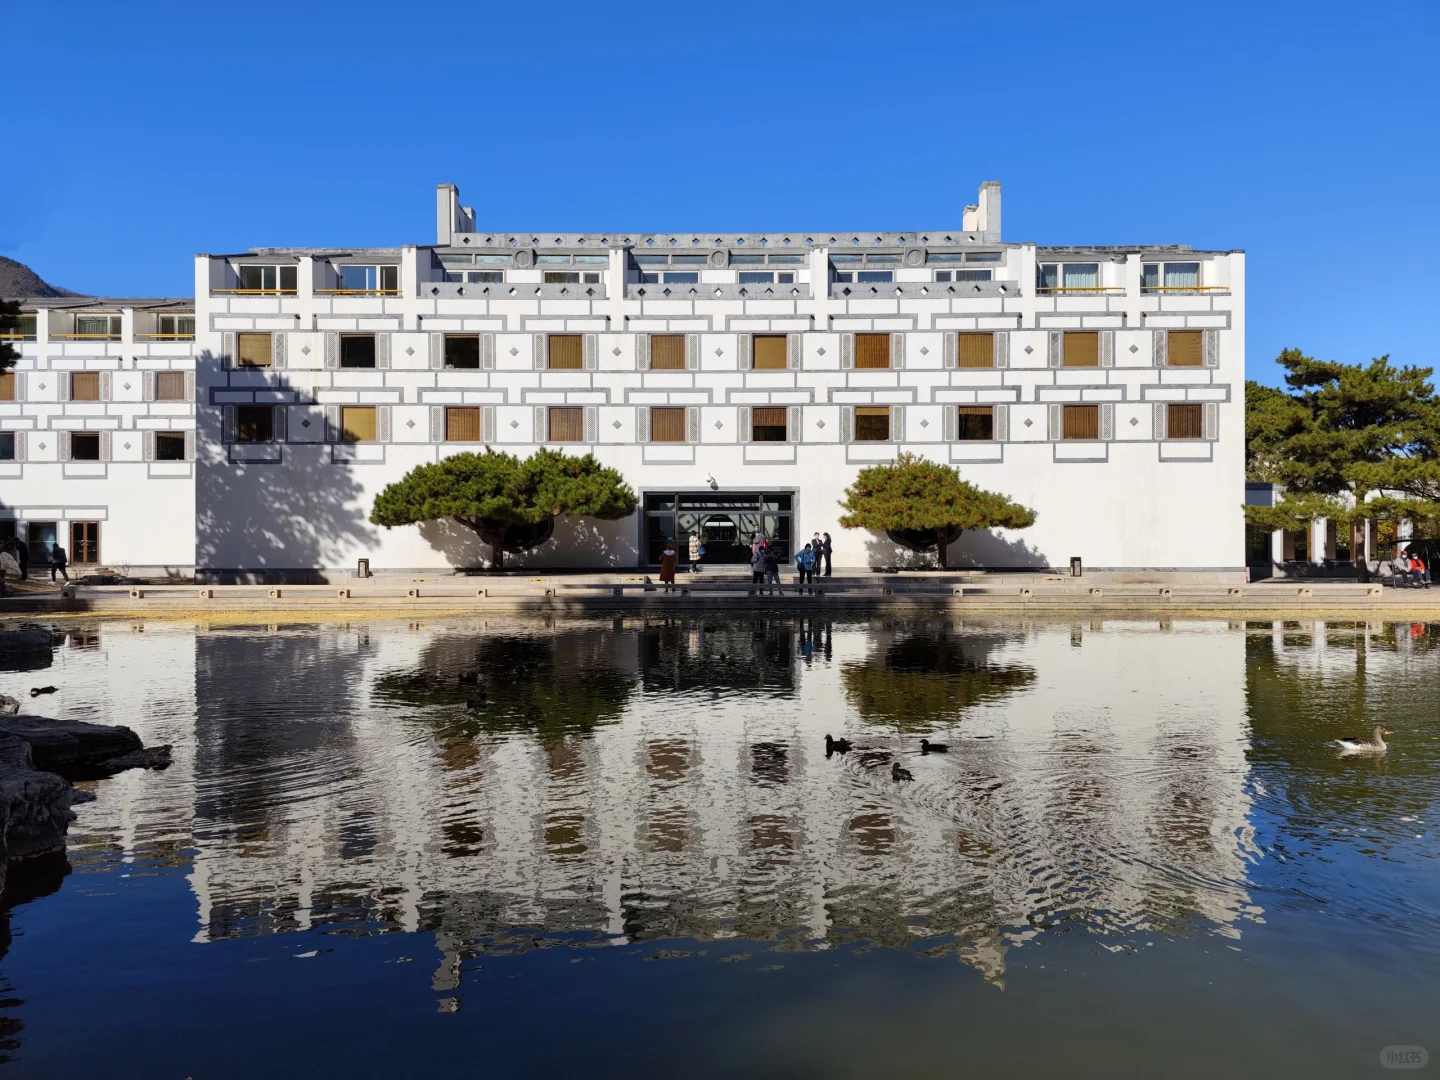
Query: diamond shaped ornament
x=719 y=424
x=410 y=423
x=719 y=351
x=1133 y=421
x=127 y=446
x=304 y=423
x=1029 y=422
x=305 y=349
x=514 y=423
x=616 y=425
x=820 y=351
x=409 y=351
x=615 y=351
x=514 y=351
x=924 y=350
x=924 y=423
x=1029 y=348
x=820 y=423
x=1134 y=348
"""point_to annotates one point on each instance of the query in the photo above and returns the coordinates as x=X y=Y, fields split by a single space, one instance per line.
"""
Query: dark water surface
x=1139 y=857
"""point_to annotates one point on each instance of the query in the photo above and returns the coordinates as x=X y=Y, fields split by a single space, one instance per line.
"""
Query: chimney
x=984 y=218
x=447 y=206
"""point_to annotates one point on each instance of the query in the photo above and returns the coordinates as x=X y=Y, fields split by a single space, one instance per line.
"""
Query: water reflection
x=637 y=782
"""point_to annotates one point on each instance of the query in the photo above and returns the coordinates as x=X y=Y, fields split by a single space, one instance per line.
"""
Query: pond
x=1139 y=856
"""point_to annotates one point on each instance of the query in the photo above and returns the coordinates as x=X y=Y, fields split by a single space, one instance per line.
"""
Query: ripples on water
x=663 y=785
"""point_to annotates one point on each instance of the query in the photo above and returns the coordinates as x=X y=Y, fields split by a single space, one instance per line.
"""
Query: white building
x=739 y=382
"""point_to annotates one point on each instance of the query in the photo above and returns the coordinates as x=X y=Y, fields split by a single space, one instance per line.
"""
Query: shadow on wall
x=577 y=542
x=987 y=550
x=299 y=512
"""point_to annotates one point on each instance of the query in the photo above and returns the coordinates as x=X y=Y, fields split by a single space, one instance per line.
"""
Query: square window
x=462 y=350
x=1185 y=348
x=667 y=425
x=359 y=278
x=252 y=350
x=7 y=446
x=462 y=425
x=1082 y=349
x=85 y=386
x=1081 y=422
x=289 y=277
x=872 y=351
x=1082 y=277
x=1185 y=422
x=7 y=386
x=170 y=386
x=976 y=350
x=169 y=446
x=84 y=446
x=254 y=424
x=257 y=278
x=357 y=423
x=357 y=350
x=768 y=424
x=567 y=424
x=872 y=423
x=667 y=352
x=770 y=352
x=567 y=352
x=975 y=423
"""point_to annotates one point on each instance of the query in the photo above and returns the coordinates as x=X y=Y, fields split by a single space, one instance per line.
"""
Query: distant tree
x=1349 y=442
x=9 y=324
x=925 y=504
x=494 y=492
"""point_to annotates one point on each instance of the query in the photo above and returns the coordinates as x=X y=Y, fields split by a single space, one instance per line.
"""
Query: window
x=175 y=327
x=964 y=275
x=567 y=277
x=567 y=352
x=106 y=327
x=357 y=423
x=863 y=267
x=872 y=423
x=462 y=425
x=253 y=424
x=7 y=446
x=768 y=424
x=872 y=350
x=1170 y=277
x=462 y=350
x=767 y=277
x=476 y=277
x=453 y=264
x=667 y=352
x=975 y=423
x=84 y=446
x=1185 y=348
x=170 y=386
x=1185 y=422
x=24 y=332
x=976 y=351
x=875 y=275
x=85 y=386
x=1067 y=277
x=371 y=279
x=1081 y=349
x=560 y=277
x=169 y=446
x=85 y=542
x=252 y=350
x=667 y=425
x=357 y=350
x=269 y=279
x=567 y=424
x=1081 y=422
x=7 y=386
x=769 y=352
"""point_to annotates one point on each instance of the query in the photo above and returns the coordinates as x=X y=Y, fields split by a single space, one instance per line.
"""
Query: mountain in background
x=18 y=281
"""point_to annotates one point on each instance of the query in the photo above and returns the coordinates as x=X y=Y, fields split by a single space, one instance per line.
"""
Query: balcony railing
x=254 y=292
x=922 y=290
x=1148 y=290
x=16 y=337
x=165 y=337
x=471 y=290
x=85 y=337
x=711 y=291
x=357 y=292
x=1080 y=290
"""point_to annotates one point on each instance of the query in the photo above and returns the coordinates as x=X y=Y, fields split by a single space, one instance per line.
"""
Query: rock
x=71 y=747
x=152 y=757
x=35 y=809
x=8 y=705
x=25 y=650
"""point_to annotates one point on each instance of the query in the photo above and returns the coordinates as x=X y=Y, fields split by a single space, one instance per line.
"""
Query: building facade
x=739 y=382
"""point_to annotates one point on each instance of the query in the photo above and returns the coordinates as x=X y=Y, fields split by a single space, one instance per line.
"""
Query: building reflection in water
x=636 y=780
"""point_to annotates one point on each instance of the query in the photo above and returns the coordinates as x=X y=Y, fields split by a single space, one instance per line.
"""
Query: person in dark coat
x=58 y=561
x=22 y=556
x=668 y=558
x=825 y=549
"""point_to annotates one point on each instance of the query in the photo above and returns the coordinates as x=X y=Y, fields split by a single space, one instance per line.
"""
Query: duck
x=481 y=702
x=928 y=747
x=897 y=773
x=36 y=691
x=1373 y=745
x=837 y=746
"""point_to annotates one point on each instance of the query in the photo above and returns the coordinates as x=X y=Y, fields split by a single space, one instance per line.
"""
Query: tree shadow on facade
x=918 y=682
x=282 y=518
x=973 y=550
x=576 y=542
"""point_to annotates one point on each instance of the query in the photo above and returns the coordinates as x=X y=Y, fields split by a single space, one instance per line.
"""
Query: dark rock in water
x=25 y=650
x=71 y=747
x=34 y=806
x=152 y=757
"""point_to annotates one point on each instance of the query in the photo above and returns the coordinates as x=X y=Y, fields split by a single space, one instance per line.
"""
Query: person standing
x=668 y=558
x=757 y=562
x=696 y=550
x=58 y=561
x=22 y=556
x=772 y=569
x=825 y=550
x=805 y=568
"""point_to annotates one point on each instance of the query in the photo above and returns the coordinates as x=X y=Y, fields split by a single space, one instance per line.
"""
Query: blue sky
x=1307 y=134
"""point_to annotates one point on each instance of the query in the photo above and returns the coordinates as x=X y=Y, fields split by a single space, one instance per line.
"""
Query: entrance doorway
x=41 y=539
x=725 y=521
x=84 y=543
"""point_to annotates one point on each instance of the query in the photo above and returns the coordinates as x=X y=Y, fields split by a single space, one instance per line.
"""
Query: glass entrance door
x=41 y=539
x=84 y=543
x=725 y=521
